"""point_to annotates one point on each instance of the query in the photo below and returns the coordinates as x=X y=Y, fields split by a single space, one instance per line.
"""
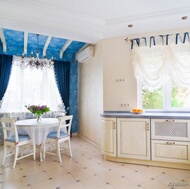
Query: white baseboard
x=74 y=134
x=90 y=141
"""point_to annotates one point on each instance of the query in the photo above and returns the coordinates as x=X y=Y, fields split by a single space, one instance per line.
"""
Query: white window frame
x=166 y=100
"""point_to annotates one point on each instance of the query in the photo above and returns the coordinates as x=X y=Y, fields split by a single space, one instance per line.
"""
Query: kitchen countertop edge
x=151 y=115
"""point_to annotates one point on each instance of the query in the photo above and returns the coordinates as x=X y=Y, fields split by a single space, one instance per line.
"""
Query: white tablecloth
x=38 y=131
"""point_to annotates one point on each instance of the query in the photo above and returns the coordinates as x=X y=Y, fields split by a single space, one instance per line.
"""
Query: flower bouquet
x=38 y=110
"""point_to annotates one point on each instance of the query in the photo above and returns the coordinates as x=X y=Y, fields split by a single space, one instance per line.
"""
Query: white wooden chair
x=13 y=140
x=16 y=117
x=60 y=136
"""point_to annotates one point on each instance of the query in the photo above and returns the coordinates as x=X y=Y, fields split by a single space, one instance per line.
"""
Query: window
x=27 y=87
x=162 y=70
x=169 y=97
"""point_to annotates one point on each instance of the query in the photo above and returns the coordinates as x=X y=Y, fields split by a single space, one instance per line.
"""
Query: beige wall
x=107 y=83
x=100 y=88
x=119 y=84
x=91 y=96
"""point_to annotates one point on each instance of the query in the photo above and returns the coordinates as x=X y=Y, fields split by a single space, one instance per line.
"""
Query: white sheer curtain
x=28 y=87
x=156 y=64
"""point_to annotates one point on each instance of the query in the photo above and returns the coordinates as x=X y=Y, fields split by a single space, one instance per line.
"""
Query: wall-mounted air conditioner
x=85 y=54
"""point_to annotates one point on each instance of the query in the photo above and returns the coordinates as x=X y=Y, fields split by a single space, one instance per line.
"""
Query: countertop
x=153 y=115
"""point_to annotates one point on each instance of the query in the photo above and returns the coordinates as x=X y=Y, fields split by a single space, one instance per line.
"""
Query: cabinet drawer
x=170 y=151
x=170 y=129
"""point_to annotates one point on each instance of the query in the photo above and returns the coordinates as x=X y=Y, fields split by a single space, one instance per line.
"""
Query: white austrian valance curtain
x=161 y=58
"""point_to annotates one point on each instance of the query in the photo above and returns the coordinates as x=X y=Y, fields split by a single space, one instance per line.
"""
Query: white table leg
x=41 y=151
x=39 y=147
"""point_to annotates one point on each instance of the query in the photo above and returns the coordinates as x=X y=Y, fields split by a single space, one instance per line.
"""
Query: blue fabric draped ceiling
x=5 y=70
x=62 y=72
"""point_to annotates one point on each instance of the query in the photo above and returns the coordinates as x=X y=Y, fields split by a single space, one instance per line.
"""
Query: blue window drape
x=5 y=70
x=62 y=73
x=180 y=38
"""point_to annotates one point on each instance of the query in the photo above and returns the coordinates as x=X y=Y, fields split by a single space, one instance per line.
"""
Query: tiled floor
x=88 y=170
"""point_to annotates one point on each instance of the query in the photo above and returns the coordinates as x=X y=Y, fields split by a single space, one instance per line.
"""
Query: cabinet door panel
x=170 y=129
x=134 y=138
x=108 y=144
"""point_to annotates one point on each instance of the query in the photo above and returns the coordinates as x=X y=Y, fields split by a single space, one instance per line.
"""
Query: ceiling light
x=36 y=62
x=184 y=17
x=130 y=25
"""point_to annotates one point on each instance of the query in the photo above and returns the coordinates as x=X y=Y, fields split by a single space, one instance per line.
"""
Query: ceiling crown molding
x=71 y=32
x=61 y=19
x=179 y=11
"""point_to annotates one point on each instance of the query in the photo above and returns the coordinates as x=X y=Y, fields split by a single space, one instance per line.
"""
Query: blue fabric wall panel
x=67 y=80
x=74 y=95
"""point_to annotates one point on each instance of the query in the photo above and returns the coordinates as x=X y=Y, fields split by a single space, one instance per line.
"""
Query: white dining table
x=38 y=131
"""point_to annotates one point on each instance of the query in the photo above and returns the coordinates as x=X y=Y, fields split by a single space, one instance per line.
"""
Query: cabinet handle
x=170 y=143
x=147 y=126
x=113 y=125
x=170 y=120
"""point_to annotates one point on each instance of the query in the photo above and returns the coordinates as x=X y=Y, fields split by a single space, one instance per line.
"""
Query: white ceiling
x=89 y=21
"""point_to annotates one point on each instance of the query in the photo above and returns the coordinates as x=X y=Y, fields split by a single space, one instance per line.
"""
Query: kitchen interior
x=113 y=145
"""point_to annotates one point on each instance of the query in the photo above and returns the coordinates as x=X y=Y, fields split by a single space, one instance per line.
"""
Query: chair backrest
x=64 y=122
x=17 y=116
x=59 y=114
x=9 y=128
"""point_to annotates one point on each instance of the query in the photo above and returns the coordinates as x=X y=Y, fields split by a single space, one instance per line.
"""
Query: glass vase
x=39 y=118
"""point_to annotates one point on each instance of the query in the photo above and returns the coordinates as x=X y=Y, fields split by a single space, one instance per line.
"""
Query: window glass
x=180 y=97
x=168 y=97
x=152 y=99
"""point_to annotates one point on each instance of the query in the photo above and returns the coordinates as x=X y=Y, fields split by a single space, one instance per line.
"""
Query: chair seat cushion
x=54 y=135
x=20 y=138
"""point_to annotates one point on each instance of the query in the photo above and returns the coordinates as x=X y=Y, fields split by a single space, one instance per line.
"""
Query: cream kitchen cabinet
x=133 y=138
x=108 y=141
x=170 y=140
x=141 y=139
x=170 y=151
x=170 y=129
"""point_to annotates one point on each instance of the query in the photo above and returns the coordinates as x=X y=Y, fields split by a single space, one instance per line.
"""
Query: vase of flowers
x=39 y=118
x=38 y=110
